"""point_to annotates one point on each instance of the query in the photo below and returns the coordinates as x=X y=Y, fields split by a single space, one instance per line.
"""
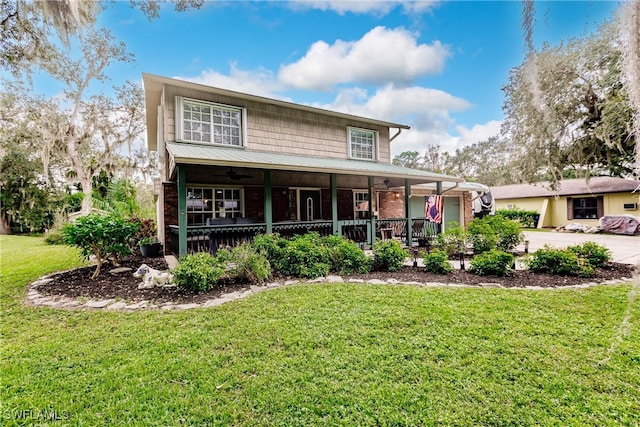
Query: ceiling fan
x=235 y=176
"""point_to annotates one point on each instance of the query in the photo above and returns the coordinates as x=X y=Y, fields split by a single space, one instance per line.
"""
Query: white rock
x=187 y=306
x=98 y=304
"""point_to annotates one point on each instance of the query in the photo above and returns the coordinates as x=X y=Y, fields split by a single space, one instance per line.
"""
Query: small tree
x=103 y=236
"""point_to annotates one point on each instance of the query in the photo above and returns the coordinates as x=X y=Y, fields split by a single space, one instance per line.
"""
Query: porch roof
x=197 y=154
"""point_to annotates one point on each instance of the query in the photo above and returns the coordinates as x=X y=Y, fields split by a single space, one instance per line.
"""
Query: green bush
x=494 y=232
x=198 y=272
x=492 y=263
x=452 y=241
x=54 y=237
x=306 y=256
x=523 y=217
x=388 y=255
x=245 y=262
x=103 y=236
x=558 y=261
x=346 y=256
x=437 y=262
x=481 y=234
x=273 y=247
x=597 y=255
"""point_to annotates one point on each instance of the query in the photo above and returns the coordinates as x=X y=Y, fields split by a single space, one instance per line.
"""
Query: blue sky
x=436 y=66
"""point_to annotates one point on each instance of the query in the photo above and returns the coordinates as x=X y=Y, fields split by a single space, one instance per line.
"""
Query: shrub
x=558 y=261
x=597 y=255
x=492 y=263
x=305 y=256
x=388 y=255
x=482 y=236
x=437 y=262
x=273 y=247
x=103 y=236
x=245 y=262
x=346 y=256
x=451 y=241
x=54 y=237
x=197 y=272
x=494 y=232
x=523 y=217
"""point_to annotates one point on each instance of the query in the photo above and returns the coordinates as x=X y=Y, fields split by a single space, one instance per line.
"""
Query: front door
x=310 y=205
x=451 y=212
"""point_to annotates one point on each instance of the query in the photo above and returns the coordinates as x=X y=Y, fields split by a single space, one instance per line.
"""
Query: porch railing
x=209 y=238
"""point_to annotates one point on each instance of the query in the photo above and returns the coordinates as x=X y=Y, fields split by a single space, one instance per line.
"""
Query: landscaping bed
x=78 y=283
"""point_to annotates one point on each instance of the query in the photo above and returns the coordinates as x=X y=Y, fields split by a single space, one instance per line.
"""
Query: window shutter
x=569 y=208
x=600 y=206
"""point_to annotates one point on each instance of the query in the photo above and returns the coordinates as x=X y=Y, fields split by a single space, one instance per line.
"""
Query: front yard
x=328 y=354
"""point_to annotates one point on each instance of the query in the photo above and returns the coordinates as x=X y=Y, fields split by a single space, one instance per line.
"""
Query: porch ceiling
x=195 y=154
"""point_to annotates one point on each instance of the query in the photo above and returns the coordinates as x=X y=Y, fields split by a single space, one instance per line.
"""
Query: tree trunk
x=5 y=226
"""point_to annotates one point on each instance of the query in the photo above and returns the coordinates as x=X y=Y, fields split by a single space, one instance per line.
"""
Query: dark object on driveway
x=620 y=224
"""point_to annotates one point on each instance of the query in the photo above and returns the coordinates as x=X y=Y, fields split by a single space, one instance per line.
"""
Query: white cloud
x=382 y=55
x=418 y=138
x=378 y=8
x=260 y=82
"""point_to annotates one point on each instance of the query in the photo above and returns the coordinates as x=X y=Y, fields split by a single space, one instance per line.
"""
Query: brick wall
x=254 y=203
x=390 y=205
x=170 y=210
x=468 y=209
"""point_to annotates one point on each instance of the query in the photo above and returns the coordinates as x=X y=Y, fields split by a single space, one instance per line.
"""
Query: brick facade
x=170 y=211
x=391 y=205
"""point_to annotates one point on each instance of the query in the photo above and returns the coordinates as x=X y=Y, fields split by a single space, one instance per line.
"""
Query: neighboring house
x=575 y=201
x=233 y=165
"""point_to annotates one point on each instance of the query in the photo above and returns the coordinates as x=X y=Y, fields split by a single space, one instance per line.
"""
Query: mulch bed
x=78 y=283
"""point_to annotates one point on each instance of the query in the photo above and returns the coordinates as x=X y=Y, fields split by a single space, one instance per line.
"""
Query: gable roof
x=568 y=187
x=154 y=86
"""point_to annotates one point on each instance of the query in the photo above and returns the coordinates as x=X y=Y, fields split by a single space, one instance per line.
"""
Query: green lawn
x=334 y=354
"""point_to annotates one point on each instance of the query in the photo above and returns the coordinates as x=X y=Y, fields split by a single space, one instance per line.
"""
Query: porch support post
x=334 y=202
x=182 y=210
x=268 y=205
x=372 y=227
x=407 y=211
x=439 y=191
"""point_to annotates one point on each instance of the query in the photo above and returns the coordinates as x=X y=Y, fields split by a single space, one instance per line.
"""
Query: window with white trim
x=207 y=202
x=208 y=122
x=362 y=143
x=360 y=204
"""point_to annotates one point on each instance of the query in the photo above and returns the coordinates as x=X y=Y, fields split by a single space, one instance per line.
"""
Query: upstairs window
x=362 y=143
x=207 y=122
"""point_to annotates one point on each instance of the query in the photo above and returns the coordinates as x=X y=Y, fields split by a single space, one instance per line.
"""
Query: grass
x=334 y=354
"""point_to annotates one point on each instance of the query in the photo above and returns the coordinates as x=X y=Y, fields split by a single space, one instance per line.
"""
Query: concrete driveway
x=624 y=249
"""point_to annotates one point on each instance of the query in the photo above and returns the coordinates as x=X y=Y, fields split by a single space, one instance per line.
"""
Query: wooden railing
x=209 y=238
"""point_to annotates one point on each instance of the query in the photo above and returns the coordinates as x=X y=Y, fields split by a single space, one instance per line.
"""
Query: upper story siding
x=280 y=128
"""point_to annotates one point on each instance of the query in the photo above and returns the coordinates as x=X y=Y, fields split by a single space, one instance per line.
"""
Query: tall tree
x=29 y=29
x=489 y=162
x=576 y=114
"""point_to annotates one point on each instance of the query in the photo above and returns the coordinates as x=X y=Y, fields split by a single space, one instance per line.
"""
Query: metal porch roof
x=196 y=154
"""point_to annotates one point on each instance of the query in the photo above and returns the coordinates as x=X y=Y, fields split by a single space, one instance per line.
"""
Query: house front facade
x=233 y=165
x=575 y=201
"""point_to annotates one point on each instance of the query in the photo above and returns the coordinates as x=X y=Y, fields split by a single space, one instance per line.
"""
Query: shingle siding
x=280 y=129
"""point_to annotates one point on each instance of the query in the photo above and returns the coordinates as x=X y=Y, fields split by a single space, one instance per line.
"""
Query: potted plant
x=150 y=246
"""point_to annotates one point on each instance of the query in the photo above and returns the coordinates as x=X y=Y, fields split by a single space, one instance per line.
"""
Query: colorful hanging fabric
x=433 y=208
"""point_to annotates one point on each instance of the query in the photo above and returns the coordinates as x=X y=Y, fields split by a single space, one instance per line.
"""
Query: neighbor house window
x=207 y=122
x=362 y=143
x=360 y=204
x=584 y=208
x=206 y=202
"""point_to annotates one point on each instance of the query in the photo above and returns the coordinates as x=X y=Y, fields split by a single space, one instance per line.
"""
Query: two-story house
x=233 y=165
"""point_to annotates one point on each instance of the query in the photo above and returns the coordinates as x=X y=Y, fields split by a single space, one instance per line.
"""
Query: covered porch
x=219 y=197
